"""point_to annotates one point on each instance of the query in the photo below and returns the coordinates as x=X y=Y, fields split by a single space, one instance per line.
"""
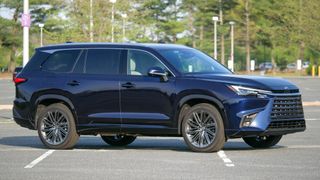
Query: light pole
x=25 y=22
x=232 y=45
x=112 y=20
x=215 y=19
x=41 y=33
x=91 y=22
x=124 y=16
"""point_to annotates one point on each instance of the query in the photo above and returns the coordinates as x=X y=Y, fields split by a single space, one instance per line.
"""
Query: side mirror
x=158 y=72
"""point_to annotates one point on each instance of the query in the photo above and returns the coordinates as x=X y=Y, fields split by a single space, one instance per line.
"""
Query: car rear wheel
x=262 y=141
x=118 y=140
x=203 y=129
x=56 y=127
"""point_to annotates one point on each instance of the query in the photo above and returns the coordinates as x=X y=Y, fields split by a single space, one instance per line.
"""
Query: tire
x=262 y=141
x=118 y=140
x=53 y=134
x=203 y=129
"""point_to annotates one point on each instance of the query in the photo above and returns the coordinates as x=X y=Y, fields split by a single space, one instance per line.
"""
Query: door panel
x=145 y=100
x=148 y=102
x=95 y=89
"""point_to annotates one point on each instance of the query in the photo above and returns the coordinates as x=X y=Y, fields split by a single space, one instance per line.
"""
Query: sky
x=6 y=12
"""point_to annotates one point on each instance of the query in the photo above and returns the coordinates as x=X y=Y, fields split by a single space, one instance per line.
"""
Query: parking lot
x=297 y=156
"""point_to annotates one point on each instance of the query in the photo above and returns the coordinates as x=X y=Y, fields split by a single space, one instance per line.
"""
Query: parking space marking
x=39 y=159
x=304 y=146
x=312 y=119
x=8 y=122
x=226 y=160
x=5 y=107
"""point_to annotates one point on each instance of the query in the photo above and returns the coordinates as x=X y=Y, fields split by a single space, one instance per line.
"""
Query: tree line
x=265 y=30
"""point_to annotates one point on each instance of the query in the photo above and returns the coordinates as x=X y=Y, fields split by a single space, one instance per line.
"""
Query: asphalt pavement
x=22 y=155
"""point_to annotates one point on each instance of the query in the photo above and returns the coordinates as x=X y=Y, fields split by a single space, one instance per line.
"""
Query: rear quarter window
x=61 y=61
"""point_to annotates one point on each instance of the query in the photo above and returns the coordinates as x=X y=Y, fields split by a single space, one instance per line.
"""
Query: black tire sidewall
x=269 y=142
x=126 y=140
x=72 y=134
x=219 y=140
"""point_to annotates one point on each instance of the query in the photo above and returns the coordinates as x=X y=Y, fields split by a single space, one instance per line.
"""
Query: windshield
x=192 y=61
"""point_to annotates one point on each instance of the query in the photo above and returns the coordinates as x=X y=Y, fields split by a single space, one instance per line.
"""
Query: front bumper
x=283 y=114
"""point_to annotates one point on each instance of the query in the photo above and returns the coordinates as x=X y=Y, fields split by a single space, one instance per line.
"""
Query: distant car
x=17 y=70
x=305 y=64
x=291 y=67
x=266 y=66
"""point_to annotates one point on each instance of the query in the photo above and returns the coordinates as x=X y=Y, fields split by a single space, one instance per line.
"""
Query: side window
x=103 y=61
x=79 y=67
x=139 y=63
x=61 y=61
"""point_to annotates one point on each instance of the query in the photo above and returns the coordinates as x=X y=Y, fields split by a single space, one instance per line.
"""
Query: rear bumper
x=24 y=123
x=21 y=114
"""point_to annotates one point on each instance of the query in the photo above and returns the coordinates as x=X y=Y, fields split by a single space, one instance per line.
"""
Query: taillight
x=18 y=80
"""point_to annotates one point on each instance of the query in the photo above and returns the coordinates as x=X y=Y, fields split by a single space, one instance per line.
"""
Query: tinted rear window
x=61 y=61
x=103 y=61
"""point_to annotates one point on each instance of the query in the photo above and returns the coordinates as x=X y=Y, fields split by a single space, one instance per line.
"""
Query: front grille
x=287 y=113
x=286 y=91
x=287 y=124
x=287 y=108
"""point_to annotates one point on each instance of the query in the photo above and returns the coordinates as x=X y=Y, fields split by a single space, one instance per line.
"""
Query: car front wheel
x=118 y=140
x=262 y=141
x=203 y=129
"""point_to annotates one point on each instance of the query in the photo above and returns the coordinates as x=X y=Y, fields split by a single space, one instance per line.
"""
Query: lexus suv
x=121 y=91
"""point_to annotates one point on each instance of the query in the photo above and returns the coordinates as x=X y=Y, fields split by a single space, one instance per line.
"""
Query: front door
x=146 y=102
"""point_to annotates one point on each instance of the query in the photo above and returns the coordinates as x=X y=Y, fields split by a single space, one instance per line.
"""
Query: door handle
x=73 y=83
x=128 y=85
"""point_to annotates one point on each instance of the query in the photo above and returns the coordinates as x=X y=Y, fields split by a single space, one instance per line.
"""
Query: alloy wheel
x=54 y=127
x=201 y=129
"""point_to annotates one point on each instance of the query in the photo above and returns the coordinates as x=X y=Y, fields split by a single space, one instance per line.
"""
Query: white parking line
x=226 y=160
x=8 y=122
x=39 y=159
x=5 y=107
x=304 y=147
x=312 y=119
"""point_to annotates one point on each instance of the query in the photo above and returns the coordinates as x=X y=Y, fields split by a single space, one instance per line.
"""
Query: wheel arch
x=48 y=99
x=194 y=99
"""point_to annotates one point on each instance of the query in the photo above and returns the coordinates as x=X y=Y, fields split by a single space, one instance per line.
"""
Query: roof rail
x=69 y=42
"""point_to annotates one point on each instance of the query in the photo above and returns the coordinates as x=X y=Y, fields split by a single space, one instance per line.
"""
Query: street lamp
x=91 y=21
x=232 y=45
x=41 y=25
x=25 y=22
x=124 y=16
x=215 y=19
x=112 y=20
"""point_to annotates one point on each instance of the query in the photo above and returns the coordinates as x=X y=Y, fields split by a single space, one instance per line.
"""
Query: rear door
x=146 y=102
x=94 y=84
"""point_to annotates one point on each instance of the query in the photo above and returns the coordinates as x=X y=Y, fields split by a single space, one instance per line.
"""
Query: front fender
x=206 y=98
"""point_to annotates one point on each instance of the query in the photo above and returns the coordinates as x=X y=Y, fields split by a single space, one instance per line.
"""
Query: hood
x=259 y=82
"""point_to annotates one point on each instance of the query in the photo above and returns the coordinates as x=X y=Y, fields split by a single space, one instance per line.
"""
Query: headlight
x=245 y=91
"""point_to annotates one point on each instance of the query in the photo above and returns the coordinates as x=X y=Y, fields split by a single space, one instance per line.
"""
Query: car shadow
x=150 y=143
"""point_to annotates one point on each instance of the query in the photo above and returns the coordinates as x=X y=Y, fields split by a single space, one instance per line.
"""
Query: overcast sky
x=6 y=12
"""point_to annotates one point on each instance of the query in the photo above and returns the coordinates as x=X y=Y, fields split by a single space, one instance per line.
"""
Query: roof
x=113 y=45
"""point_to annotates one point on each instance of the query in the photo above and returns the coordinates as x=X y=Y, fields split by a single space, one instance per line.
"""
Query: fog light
x=247 y=120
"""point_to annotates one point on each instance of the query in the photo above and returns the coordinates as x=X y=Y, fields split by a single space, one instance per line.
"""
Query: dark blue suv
x=121 y=91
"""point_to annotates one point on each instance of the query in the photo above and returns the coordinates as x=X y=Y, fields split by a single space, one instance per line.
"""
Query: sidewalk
x=5 y=75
